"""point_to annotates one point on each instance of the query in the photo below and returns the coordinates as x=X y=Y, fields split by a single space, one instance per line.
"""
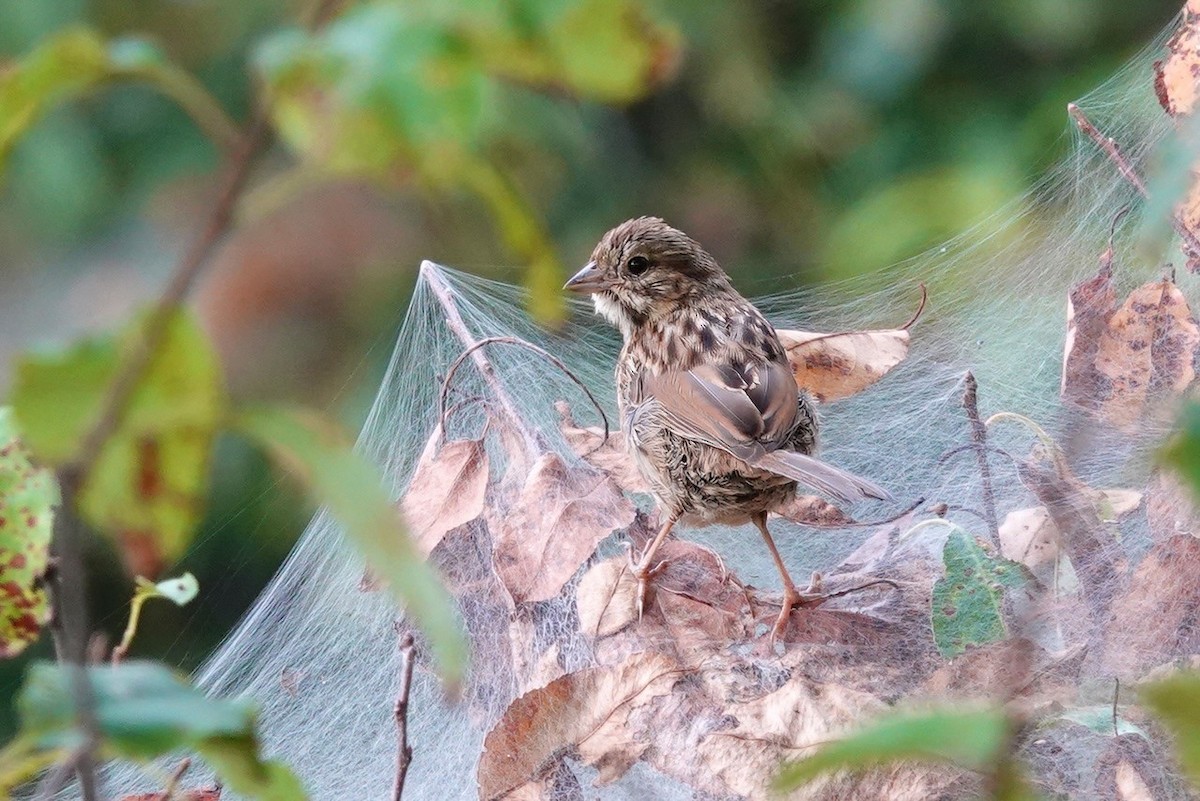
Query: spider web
x=319 y=656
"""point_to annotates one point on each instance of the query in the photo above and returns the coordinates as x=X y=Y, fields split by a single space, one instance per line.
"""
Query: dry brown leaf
x=1175 y=77
x=1153 y=621
x=587 y=711
x=1030 y=536
x=606 y=598
x=608 y=456
x=1090 y=304
x=553 y=526
x=811 y=510
x=1130 y=784
x=1147 y=347
x=834 y=366
x=447 y=489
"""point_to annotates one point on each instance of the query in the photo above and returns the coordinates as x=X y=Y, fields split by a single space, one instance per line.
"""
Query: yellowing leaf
x=1147 y=348
x=28 y=496
x=1175 y=76
x=148 y=486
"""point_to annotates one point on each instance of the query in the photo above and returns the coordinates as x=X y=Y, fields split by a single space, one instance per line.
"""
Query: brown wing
x=746 y=411
x=749 y=414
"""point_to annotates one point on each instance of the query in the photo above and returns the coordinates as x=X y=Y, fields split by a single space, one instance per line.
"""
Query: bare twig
x=979 y=443
x=444 y=294
x=69 y=601
x=1127 y=170
x=403 y=749
x=1116 y=697
x=554 y=360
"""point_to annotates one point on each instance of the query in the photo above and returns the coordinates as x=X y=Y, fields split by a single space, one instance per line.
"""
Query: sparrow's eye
x=638 y=264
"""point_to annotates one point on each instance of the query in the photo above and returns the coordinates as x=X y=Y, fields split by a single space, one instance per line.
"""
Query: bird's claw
x=644 y=574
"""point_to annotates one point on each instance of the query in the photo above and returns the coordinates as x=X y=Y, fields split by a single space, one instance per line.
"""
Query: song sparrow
x=709 y=406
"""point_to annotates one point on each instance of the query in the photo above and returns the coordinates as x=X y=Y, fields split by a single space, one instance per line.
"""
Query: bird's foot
x=643 y=571
x=793 y=599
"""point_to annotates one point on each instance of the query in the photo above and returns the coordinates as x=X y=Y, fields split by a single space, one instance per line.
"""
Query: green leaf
x=968 y=602
x=1182 y=452
x=1176 y=702
x=972 y=739
x=148 y=486
x=143 y=710
x=315 y=451
x=58 y=69
x=609 y=51
x=28 y=496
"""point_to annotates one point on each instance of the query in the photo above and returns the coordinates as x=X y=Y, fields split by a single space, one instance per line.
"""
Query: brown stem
x=545 y=354
x=980 y=446
x=70 y=604
x=1127 y=170
x=403 y=749
x=445 y=296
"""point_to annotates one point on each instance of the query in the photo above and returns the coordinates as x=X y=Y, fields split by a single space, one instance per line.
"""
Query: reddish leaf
x=587 y=710
x=553 y=526
x=447 y=489
x=609 y=456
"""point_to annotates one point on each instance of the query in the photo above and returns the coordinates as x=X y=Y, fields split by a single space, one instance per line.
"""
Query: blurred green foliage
x=795 y=138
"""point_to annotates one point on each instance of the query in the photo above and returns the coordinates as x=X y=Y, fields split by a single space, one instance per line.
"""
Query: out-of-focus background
x=799 y=141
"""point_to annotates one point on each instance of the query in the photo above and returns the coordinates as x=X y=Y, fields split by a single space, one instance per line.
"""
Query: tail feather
x=821 y=476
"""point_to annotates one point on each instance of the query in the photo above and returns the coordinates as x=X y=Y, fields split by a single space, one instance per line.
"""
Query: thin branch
x=979 y=443
x=444 y=294
x=1127 y=170
x=554 y=360
x=403 y=749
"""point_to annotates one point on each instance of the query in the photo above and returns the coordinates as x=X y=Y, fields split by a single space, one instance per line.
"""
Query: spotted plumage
x=710 y=409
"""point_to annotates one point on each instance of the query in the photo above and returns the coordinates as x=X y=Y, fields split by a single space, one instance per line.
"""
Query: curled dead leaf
x=609 y=456
x=835 y=366
x=1030 y=536
x=1090 y=304
x=549 y=530
x=447 y=489
x=588 y=710
x=1147 y=348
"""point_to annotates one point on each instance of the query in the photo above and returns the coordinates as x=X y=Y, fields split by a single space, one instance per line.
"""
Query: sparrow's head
x=644 y=269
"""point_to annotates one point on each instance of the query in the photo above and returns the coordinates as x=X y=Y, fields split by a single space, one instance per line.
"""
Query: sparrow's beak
x=587 y=280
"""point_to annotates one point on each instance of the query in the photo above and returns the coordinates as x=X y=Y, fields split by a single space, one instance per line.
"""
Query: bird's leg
x=791 y=596
x=643 y=570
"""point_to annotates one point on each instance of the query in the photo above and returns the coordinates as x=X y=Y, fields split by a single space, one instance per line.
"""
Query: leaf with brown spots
x=834 y=366
x=28 y=496
x=447 y=489
x=543 y=535
x=1147 y=349
x=587 y=710
x=606 y=455
x=1175 y=77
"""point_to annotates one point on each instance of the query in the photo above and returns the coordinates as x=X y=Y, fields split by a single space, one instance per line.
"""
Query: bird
x=709 y=406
